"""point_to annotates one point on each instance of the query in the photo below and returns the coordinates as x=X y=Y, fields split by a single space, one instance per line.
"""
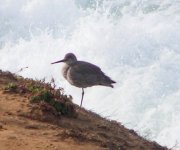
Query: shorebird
x=83 y=74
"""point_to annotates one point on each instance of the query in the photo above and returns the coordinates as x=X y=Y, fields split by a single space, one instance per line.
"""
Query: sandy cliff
x=25 y=125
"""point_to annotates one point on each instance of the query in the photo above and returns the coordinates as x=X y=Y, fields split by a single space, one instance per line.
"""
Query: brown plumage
x=83 y=74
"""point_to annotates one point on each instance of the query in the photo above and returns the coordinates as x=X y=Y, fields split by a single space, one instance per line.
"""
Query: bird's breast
x=65 y=71
x=71 y=76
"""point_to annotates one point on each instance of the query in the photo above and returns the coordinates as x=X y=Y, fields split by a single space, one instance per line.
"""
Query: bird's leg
x=82 y=96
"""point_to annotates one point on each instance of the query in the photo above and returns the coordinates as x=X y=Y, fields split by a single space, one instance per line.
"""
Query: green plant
x=11 y=87
x=61 y=106
x=44 y=95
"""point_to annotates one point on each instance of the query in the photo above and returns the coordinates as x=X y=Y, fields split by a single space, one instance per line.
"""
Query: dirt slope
x=22 y=129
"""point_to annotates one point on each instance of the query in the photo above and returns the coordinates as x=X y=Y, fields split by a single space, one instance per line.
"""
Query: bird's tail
x=107 y=81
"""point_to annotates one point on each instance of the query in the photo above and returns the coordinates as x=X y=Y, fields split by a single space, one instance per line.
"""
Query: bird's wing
x=87 y=68
x=84 y=74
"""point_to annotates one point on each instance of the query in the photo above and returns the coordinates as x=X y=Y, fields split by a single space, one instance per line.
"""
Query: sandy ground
x=22 y=129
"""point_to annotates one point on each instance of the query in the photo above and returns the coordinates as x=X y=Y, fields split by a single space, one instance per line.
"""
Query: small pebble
x=1 y=126
x=32 y=126
x=12 y=137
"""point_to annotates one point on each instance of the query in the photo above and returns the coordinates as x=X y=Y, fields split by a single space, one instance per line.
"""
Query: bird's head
x=69 y=59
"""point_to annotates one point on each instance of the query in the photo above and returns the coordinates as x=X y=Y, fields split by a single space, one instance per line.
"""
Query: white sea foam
x=134 y=42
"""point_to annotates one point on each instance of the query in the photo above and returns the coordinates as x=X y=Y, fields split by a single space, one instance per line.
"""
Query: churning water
x=136 y=42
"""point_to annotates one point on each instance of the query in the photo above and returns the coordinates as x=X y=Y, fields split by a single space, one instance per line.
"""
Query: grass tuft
x=45 y=95
x=11 y=87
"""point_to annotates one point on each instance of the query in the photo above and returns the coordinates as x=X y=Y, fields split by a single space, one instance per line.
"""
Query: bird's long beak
x=63 y=60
